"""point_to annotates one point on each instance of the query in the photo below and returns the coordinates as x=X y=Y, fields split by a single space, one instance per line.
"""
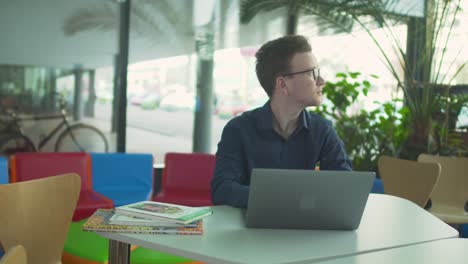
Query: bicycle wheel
x=12 y=143
x=81 y=137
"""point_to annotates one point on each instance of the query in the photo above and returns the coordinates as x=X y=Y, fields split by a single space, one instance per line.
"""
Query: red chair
x=29 y=166
x=186 y=179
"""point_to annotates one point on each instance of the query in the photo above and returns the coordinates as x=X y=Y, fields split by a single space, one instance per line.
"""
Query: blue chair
x=378 y=186
x=123 y=177
x=3 y=170
x=3 y=178
x=464 y=231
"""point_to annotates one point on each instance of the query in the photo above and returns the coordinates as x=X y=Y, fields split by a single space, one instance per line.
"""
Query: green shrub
x=366 y=134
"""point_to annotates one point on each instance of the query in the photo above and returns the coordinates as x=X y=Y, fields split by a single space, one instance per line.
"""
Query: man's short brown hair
x=273 y=58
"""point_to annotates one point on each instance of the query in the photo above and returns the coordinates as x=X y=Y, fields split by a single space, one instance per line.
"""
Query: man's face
x=303 y=81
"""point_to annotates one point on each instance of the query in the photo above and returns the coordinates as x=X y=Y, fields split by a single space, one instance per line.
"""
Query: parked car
x=230 y=108
x=138 y=99
x=150 y=102
x=178 y=101
x=104 y=96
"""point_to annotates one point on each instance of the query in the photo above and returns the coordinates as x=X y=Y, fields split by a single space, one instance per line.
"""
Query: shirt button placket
x=281 y=152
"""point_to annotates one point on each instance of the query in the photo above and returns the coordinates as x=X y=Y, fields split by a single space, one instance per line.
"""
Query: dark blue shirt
x=249 y=141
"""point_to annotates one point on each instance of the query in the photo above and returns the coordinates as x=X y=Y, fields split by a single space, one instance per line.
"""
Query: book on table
x=99 y=222
x=164 y=212
x=119 y=219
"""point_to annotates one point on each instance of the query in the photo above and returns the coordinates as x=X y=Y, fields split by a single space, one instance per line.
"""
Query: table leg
x=119 y=252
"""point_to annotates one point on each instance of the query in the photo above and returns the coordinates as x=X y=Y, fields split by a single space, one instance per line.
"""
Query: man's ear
x=280 y=84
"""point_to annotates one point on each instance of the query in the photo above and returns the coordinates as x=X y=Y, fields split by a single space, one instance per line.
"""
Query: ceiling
x=32 y=34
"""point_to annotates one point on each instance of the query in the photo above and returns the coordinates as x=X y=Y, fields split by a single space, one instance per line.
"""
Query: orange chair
x=186 y=179
x=30 y=166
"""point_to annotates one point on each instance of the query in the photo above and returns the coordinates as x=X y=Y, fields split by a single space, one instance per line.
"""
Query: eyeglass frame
x=315 y=73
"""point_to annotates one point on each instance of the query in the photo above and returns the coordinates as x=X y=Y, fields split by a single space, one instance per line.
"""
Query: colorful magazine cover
x=157 y=208
x=99 y=222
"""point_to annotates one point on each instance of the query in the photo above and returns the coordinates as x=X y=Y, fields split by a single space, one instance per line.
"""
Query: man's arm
x=225 y=185
x=333 y=154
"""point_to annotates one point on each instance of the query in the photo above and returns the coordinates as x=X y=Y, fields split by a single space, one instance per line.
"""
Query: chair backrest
x=190 y=171
x=122 y=170
x=377 y=187
x=3 y=170
x=31 y=166
x=37 y=215
x=408 y=179
x=452 y=187
x=14 y=255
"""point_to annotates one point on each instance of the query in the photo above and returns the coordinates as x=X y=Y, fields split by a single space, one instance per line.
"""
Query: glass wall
x=47 y=62
x=162 y=72
x=161 y=99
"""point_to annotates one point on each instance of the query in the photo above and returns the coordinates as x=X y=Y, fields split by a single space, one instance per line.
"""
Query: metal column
x=124 y=29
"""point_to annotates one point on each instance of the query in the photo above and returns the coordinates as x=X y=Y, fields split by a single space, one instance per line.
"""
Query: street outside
x=155 y=131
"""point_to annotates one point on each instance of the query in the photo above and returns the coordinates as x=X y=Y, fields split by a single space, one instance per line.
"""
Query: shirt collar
x=265 y=118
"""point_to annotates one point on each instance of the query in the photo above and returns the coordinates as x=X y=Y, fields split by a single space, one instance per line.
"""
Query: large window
x=162 y=74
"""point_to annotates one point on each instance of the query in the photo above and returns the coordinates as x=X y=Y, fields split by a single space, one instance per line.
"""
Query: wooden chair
x=15 y=255
x=37 y=214
x=450 y=196
x=408 y=179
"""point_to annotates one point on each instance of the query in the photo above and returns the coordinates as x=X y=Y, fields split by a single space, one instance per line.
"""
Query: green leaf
x=341 y=75
x=366 y=84
x=354 y=75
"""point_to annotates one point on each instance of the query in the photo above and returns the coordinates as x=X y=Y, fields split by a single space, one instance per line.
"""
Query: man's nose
x=320 y=81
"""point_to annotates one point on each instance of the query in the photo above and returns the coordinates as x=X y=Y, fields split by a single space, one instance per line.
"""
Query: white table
x=387 y=222
x=453 y=251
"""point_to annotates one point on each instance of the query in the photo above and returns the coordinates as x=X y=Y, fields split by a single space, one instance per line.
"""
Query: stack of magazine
x=150 y=218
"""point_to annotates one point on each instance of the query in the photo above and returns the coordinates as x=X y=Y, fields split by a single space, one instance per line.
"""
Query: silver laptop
x=307 y=199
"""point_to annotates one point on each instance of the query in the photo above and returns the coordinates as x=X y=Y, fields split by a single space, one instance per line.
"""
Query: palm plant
x=423 y=76
x=336 y=16
x=155 y=21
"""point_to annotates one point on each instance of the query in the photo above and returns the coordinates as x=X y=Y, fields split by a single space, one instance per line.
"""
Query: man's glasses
x=315 y=73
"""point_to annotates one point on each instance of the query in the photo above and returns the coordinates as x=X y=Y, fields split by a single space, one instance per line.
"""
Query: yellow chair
x=15 y=255
x=408 y=179
x=450 y=195
x=37 y=214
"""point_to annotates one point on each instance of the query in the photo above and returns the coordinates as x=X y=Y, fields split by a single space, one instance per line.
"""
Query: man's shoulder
x=247 y=118
x=317 y=120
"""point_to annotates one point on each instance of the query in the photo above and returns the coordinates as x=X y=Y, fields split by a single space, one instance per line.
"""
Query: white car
x=178 y=101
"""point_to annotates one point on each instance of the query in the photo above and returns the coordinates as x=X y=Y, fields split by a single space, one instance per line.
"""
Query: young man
x=281 y=134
